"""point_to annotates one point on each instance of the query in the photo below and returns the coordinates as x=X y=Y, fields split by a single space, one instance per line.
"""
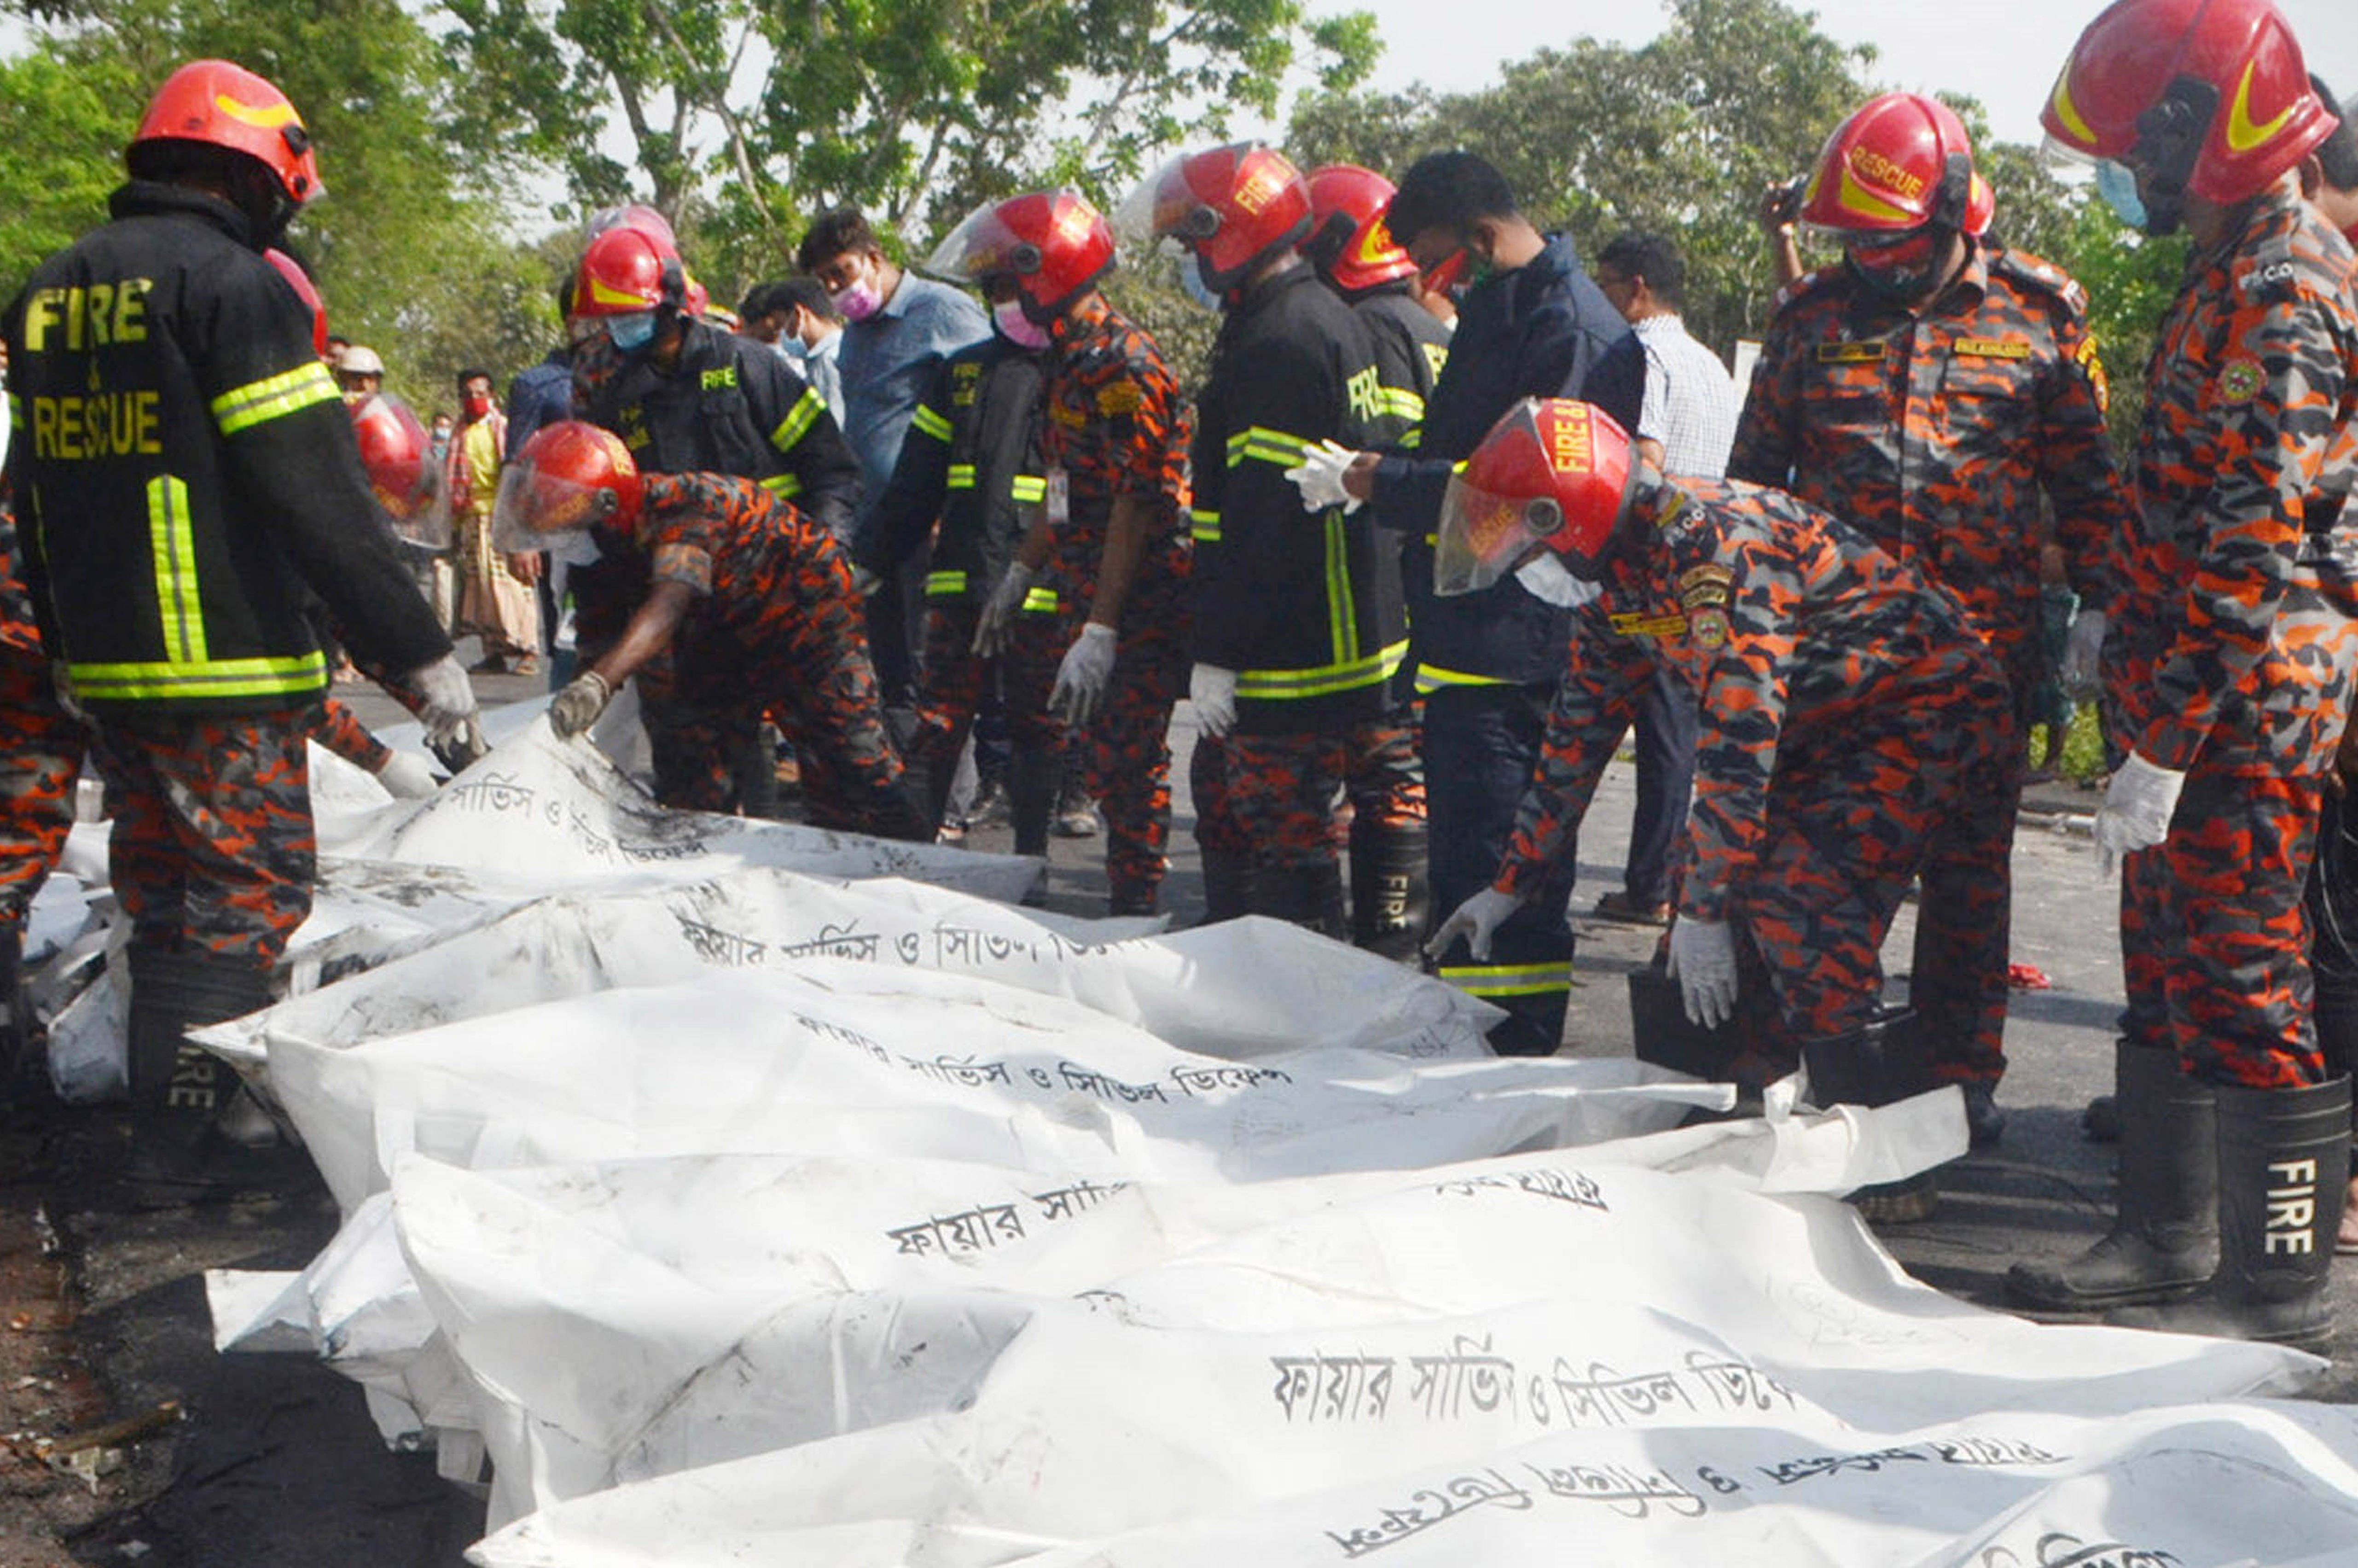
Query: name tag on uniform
x=1989 y=348
x=1059 y=499
x=1649 y=625
x=1850 y=353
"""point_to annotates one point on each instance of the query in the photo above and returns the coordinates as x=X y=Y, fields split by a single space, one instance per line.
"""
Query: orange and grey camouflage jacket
x=2235 y=639
x=1935 y=433
x=1796 y=634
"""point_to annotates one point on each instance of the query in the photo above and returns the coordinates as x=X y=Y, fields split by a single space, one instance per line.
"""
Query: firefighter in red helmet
x=171 y=546
x=1105 y=551
x=972 y=460
x=2227 y=661
x=1847 y=712
x=1939 y=393
x=1299 y=632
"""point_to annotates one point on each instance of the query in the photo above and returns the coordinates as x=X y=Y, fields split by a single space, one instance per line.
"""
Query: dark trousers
x=1481 y=743
x=1665 y=733
x=896 y=629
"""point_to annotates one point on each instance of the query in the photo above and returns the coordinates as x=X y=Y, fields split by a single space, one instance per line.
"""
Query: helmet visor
x=1165 y=207
x=983 y=246
x=533 y=505
x=1485 y=536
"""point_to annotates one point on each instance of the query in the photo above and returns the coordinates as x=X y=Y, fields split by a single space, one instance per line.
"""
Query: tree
x=746 y=115
x=63 y=154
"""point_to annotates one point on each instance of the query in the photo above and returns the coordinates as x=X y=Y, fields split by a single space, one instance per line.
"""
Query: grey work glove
x=1703 y=960
x=1082 y=679
x=1213 y=692
x=996 y=627
x=577 y=706
x=447 y=698
x=1475 y=920
x=2139 y=805
x=406 y=777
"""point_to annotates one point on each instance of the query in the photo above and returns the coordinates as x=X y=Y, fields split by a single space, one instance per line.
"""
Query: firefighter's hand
x=406 y=777
x=2139 y=805
x=864 y=582
x=996 y=626
x=445 y=696
x=1213 y=691
x=1082 y=679
x=1703 y=960
x=577 y=706
x=1319 y=477
x=461 y=749
x=2084 y=653
x=1474 y=920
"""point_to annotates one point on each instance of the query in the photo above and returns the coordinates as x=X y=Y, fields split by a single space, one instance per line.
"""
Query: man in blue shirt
x=898 y=330
x=543 y=394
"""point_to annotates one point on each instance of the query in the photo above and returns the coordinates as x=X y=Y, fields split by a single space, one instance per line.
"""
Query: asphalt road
x=277 y=1463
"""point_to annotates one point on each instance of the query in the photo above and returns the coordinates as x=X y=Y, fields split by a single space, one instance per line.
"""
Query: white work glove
x=406 y=777
x=577 y=706
x=1549 y=581
x=1213 y=691
x=1082 y=679
x=1475 y=920
x=2083 y=652
x=996 y=627
x=1319 y=477
x=446 y=695
x=864 y=582
x=2139 y=805
x=1703 y=960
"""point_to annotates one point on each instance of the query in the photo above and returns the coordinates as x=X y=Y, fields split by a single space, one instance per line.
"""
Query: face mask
x=1017 y=328
x=477 y=406
x=2117 y=185
x=631 y=333
x=1191 y=279
x=858 y=301
x=1904 y=271
x=574 y=548
x=1545 y=578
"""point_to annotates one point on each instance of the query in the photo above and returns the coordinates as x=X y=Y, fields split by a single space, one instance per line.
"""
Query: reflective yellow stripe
x=1413 y=440
x=961 y=476
x=924 y=419
x=259 y=402
x=1266 y=444
x=784 y=486
x=174 y=545
x=1342 y=626
x=798 y=421
x=221 y=677
x=1509 y=980
x=1204 y=527
x=1432 y=678
x=1294 y=686
x=1040 y=601
x=1028 y=488
x=940 y=585
x=1391 y=400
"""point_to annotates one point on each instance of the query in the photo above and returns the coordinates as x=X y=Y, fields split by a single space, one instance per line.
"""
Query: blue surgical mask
x=2116 y=183
x=634 y=331
x=1191 y=278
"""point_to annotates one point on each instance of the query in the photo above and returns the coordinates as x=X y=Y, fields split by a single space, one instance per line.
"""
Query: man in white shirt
x=1686 y=427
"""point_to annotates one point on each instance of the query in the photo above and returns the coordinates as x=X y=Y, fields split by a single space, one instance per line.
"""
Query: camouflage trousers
x=40 y=754
x=1279 y=798
x=2214 y=937
x=212 y=849
x=955 y=678
x=1851 y=818
x=1964 y=916
x=1124 y=750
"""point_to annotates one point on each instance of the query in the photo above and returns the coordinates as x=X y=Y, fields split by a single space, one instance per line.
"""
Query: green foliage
x=2131 y=280
x=58 y=161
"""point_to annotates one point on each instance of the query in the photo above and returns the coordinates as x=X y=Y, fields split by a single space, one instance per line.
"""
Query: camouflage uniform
x=776 y=621
x=1114 y=429
x=1935 y=435
x=2232 y=651
x=42 y=753
x=338 y=729
x=1848 y=713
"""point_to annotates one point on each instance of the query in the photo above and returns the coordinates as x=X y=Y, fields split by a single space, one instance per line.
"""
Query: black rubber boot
x=1227 y=885
x=1032 y=781
x=1391 y=897
x=2165 y=1236
x=178 y=1087
x=18 y=1067
x=1883 y=1063
x=1308 y=894
x=1660 y=1031
x=2284 y=1175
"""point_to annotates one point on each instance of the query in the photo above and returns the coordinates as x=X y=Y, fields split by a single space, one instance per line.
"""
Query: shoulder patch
x=2043 y=275
x=2089 y=360
x=1119 y=397
x=1704 y=586
x=1708 y=628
